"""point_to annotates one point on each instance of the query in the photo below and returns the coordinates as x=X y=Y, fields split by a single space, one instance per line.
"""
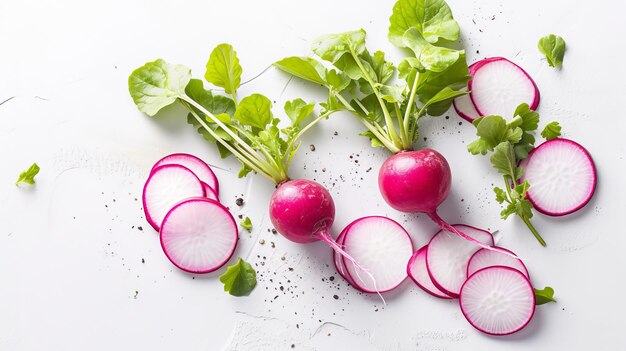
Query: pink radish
x=498 y=86
x=417 y=270
x=199 y=235
x=196 y=165
x=382 y=247
x=448 y=255
x=562 y=177
x=486 y=258
x=210 y=193
x=166 y=186
x=497 y=300
x=464 y=107
x=338 y=260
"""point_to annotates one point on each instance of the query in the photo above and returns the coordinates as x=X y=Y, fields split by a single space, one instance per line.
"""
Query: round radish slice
x=382 y=247
x=165 y=187
x=448 y=254
x=199 y=235
x=562 y=177
x=196 y=165
x=497 y=300
x=417 y=270
x=498 y=86
x=338 y=260
x=464 y=107
x=488 y=258
x=210 y=193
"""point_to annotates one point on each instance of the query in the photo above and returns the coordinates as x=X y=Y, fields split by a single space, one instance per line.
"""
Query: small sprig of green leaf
x=246 y=224
x=28 y=176
x=239 y=279
x=551 y=131
x=544 y=296
x=509 y=142
x=553 y=46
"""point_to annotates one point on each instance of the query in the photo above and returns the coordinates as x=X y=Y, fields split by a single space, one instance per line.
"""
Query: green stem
x=507 y=183
x=409 y=108
x=406 y=145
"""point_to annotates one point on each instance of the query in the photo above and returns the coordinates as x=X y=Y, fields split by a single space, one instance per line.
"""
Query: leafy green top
x=28 y=176
x=247 y=128
x=544 y=295
x=239 y=279
x=553 y=46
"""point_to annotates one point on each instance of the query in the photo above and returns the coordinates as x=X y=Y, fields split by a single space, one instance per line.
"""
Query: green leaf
x=440 y=103
x=374 y=111
x=374 y=141
x=551 y=131
x=255 y=111
x=524 y=209
x=530 y=118
x=239 y=279
x=433 y=58
x=28 y=176
x=243 y=171
x=501 y=195
x=338 y=81
x=432 y=18
x=157 y=84
x=384 y=69
x=331 y=47
x=223 y=69
x=509 y=210
x=393 y=93
x=246 y=224
x=503 y=159
x=492 y=130
x=298 y=110
x=216 y=104
x=430 y=83
x=553 y=46
x=514 y=135
x=522 y=149
x=544 y=295
x=303 y=67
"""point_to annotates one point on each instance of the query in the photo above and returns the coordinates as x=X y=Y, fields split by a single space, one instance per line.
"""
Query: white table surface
x=77 y=274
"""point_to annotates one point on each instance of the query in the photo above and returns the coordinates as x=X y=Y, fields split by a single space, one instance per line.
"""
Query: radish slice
x=199 y=235
x=498 y=86
x=338 y=260
x=165 y=187
x=464 y=107
x=196 y=165
x=562 y=177
x=497 y=300
x=382 y=247
x=488 y=258
x=417 y=270
x=448 y=254
x=210 y=193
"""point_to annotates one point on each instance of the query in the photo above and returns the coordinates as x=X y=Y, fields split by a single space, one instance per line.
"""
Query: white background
x=77 y=274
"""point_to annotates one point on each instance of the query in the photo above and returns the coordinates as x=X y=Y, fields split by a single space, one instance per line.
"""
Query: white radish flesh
x=166 y=186
x=210 y=192
x=488 y=258
x=448 y=255
x=196 y=165
x=464 y=107
x=199 y=235
x=562 y=177
x=383 y=248
x=418 y=272
x=497 y=300
x=338 y=260
x=498 y=86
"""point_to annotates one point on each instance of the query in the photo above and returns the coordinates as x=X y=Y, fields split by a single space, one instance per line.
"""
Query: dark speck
x=140 y=228
x=335 y=297
x=239 y=202
x=312 y=147
x=143 y=260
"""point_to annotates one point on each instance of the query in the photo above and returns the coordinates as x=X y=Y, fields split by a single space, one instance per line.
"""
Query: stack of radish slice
x=180 y=200
x=494 y=290
x=497 y=87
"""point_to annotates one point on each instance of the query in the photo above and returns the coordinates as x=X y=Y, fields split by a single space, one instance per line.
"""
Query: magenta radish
x=498 y=86
x=497 y=300
x=382 y=247
x=448 y=255
x=465 y=108
x=338 y=260
x=418 y=272
x=166 y=186
x=199 y=235
x=194 y=164
x=210 y=193
x=562 y=176
x=486 y=258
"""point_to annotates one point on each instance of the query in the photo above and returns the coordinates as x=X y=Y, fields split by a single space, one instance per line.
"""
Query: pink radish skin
x=562 y=177
x=497 y=300
x=199 y=235
x=166 y=186
x=464 y=107
x=210 y=193
x=194 y=164
x=418 y=272
x=485 y=258
x=499 y=85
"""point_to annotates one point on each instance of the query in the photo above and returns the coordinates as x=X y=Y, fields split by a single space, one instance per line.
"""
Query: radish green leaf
x=553 y=46
x=223 y=69
x=239 y=279
x=551 y=131
x=28 y=176
x=432 y=18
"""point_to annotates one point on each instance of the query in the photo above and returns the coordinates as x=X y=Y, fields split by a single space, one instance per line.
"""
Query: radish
x=210 y=193
x=196 y=165
x=465 y=108
x=497 y=300
x=199 y=235
x=166 y=186
x=417 y=270
x=562 y=177
x=448 y=255
x=382 y=247
x=338 y=261
x=498 y=86
x=486 y=258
